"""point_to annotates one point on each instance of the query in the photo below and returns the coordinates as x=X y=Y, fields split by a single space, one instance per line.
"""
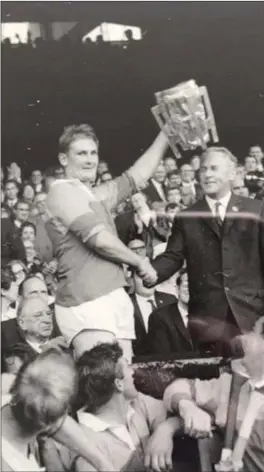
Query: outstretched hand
x=147 y=272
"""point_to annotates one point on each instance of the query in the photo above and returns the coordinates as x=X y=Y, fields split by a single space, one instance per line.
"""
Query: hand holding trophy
x=185 y=115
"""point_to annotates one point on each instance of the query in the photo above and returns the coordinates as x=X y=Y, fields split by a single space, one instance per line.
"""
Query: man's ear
x=119 y=385
x=63 y=159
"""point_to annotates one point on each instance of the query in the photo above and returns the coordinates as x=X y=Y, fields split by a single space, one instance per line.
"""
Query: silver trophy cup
x=185 y=114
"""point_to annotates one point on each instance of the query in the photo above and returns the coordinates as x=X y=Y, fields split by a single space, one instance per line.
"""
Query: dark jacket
x=225 y=265
x=140 y=344
x=167 y=332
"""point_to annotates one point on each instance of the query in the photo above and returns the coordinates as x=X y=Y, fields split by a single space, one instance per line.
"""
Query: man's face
x=239 y=187
x=170 y=164
x=187 y=173
x=36 y=319
x=22 y=212
x=250 y=164
x=129 y=389
x=184 y=289
x=174 y=196
x=36 y=177
x=187 y=196
x=81 y=160
x=256 y=151
x=11 y=191
x=175 y=180
x=138 y=201
x=40 y=201
x=160 y=174
x=35 y=287
x=217 y=172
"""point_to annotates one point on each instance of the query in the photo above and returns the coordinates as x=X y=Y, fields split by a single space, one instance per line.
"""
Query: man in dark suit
x=156 y=189
x=168 y=325
x=145 y=300
x=221 y=237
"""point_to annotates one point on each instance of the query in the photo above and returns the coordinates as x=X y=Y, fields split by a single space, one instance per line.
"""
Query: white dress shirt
x=183 y=309
x=159 y=187
x=145 y=307
x=223 y=205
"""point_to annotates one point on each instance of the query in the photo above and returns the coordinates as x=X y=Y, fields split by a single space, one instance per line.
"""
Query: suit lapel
x=138 y=314
x=178 y=321
x=232 y=213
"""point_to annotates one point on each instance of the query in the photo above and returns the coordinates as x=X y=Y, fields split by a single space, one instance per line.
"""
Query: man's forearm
x=110 y=247
x=146 y=165
x=172 y=426
x=73 y=436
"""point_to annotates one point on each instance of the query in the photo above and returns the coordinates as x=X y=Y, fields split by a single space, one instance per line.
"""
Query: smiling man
x=221 y=237
x=91 y=303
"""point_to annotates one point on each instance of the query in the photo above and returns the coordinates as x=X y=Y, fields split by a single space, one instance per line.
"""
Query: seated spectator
x=28 y=194
x=201 y=404
x=19 y=270
x=250 y=164
x=105 y=177
x=11 y=244
x=189 y=181
x=21 y=212
x=170 y=164
x=38 y=404
x=9 y=294
x=14 y=172
x=195 y=163
x=11 y=193
x=32 y=287
x=131 y=428
x=43 y=243
x=253 y=177
x=37 y=180
x=28 y=238
x=168 y=325
x=187 y=197
x=5 y=211
x=174 y=195
x=155 y=191
x=257 y=153
x=146 y=224
x=34 y=327
x=145 y=301
x=174 y=179
x=239 y=187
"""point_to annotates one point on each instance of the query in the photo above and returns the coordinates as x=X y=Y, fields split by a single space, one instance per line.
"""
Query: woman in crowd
x=19 y=270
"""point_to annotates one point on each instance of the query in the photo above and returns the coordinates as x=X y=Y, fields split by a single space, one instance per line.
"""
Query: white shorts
x=113 y=312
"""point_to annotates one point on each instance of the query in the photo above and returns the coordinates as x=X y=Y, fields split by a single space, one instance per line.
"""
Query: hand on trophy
x=147 y=273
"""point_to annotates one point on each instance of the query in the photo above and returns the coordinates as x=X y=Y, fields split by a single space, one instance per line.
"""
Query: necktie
x=218 y=215
x=152 y=304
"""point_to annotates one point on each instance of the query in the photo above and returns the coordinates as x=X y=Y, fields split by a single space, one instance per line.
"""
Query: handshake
x=147 y=272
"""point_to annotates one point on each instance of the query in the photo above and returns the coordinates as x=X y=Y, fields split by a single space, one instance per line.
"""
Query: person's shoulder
x=165 y=312
x=251 y=203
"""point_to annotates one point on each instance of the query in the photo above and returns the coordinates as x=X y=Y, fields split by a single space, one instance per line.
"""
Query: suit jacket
x=140 y=344
x=11 y=244
x=167 y=332
x=11 y=334
x=225 y=265
x=152 y=194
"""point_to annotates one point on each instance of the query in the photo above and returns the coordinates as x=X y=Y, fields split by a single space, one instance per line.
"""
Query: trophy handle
x=210 y=116
x=159 y=117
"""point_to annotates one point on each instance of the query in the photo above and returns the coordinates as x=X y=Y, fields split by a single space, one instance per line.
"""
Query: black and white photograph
x=132 y=236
